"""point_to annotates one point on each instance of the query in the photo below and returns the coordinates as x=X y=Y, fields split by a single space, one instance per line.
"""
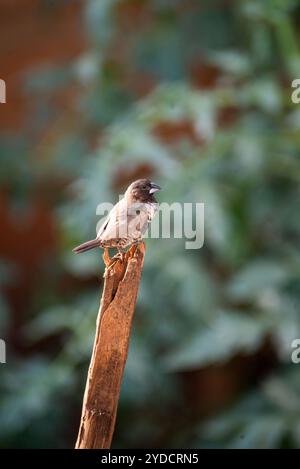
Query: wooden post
x=110 y=351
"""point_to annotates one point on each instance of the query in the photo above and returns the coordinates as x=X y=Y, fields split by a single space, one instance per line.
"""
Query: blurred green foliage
x=197 y=309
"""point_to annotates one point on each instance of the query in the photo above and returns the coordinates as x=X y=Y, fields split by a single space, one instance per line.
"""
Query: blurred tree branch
x=110 y=351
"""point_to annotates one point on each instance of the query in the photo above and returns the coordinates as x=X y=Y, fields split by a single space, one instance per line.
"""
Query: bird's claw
x=136 y=246
x=107 y=260
x=119 y=257
x=132 y=253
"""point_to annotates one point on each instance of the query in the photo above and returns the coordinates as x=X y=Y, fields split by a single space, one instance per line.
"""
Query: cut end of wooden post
x=110 y=350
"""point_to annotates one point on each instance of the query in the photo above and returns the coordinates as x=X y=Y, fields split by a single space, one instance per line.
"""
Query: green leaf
x=226 y=336
x=255 y=278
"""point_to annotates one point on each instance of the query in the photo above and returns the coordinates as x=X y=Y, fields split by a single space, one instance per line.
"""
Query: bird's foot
x=136 y=246
x=119 y=257
x=107 y=260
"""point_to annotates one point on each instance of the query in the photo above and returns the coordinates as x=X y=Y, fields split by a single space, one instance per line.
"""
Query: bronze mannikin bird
x=128 y=220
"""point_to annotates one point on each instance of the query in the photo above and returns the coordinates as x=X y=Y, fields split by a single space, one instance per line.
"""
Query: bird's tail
x=94 y=243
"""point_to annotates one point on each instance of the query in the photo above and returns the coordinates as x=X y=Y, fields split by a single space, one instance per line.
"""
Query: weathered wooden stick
x=110 y=351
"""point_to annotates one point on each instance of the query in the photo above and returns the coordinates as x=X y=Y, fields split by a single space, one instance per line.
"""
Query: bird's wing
x=108 y=221
x=127 y=221
x=102 y=228
x=116 y=225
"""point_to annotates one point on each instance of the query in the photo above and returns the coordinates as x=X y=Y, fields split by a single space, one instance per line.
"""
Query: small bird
x=128 y=220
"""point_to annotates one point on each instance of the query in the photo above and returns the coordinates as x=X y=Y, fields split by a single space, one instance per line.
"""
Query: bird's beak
x=154 y=188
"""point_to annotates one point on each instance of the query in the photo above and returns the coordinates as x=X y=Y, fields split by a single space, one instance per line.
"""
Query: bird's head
x=142 y=190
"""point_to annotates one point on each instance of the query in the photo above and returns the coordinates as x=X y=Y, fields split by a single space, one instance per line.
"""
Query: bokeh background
x=197 y=96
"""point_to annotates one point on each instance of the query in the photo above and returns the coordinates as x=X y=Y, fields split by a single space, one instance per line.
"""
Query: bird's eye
x=138 y=212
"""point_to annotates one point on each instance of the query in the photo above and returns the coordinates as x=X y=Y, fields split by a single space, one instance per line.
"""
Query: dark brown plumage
x=128 y=220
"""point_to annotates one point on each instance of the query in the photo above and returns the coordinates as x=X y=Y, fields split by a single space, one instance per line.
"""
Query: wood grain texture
x=110 y=352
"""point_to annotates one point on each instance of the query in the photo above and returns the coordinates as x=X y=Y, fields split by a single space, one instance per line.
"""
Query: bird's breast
x=151 y=210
